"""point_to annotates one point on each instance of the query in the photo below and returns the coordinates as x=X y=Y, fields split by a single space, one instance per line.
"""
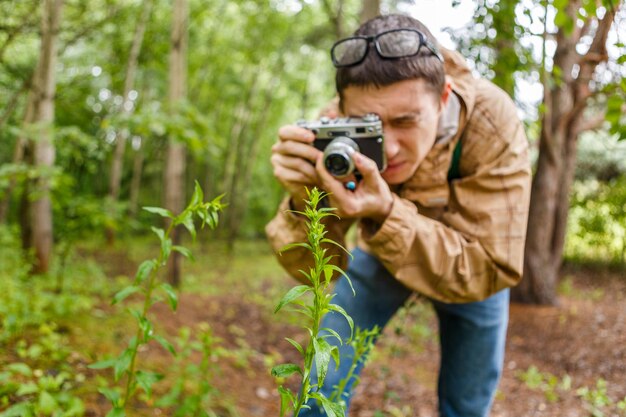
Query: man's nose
x=392 y=146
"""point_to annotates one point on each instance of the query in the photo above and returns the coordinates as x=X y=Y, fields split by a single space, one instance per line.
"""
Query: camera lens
x=337 y=164
x=338 y=156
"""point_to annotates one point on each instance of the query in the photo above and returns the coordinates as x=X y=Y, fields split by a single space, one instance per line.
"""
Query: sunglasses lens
x=399 y=43
x=349 y=51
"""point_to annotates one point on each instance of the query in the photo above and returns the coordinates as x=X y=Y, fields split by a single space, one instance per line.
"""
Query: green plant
x=362 y=343
x=317 y=351
x=28 y=302
x=193 y=393
x=42 y=383
x=595 y=400
x=146 y=283
x=545 y=382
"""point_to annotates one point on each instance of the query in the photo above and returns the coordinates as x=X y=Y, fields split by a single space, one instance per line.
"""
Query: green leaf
x=296 y=345
x=146 y=380
x=332 y=409
x=19 y=368
x=163 y=342
x=296 y=245
x=159 y=232
x=340 y=310
x=116 y=412
x=285 y=370
x=27 y=389
x=183 y=251
x=122 y=363
x=322 y=359
x=47 y=403
x=334 y=352
x=166 y=247
x=292 y=295
x=172 y=297
x=19 y=410
x=112 y=395
x=287 y=399
x=198 y=195
x=187 y=221
x=144 y=270
x=108 y=363
x=160 y=211
x=333 y=333
x=146 y=328
x=125 y=292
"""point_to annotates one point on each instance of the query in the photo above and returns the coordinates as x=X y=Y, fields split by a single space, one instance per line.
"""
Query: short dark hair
x=379 y=72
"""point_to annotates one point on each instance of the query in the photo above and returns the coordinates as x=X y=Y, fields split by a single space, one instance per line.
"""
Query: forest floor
x=566 y=360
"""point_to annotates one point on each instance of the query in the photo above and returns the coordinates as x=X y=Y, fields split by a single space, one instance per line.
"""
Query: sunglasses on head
x=391 y=44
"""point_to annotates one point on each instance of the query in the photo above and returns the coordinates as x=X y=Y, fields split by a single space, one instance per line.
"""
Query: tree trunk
x=135 y=182
x=18 y=157
x=175 y=163
x=129 y=83
x=369 y=10
x=565 y=103
x=336 y=16
x=43 y=151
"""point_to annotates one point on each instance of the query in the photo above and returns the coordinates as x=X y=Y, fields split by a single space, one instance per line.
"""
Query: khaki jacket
x=457 y=241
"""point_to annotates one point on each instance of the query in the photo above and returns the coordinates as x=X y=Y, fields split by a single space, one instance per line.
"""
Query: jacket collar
x=463 y=82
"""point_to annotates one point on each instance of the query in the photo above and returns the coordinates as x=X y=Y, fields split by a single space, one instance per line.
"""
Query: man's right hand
x=293 y=160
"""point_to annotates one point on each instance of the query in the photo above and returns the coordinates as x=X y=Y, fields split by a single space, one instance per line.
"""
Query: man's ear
x=447 y=89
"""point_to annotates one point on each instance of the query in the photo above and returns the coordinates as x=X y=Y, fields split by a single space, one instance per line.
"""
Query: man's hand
x=293 y=159
x=372 y=198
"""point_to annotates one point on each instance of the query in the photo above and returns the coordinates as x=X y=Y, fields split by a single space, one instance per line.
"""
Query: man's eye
x=405 y=122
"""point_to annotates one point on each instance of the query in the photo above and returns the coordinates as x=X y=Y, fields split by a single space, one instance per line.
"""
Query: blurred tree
x=42 y=96
x=175 y=159
x=582 y=88
x=369 y=10
x=127 y=107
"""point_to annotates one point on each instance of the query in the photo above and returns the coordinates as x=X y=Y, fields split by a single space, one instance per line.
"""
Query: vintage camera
x=340 y=138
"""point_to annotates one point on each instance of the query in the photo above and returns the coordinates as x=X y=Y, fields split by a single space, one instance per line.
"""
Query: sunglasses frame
x=374 y=39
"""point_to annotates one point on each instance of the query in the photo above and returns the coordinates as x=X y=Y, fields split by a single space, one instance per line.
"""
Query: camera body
x=340 y=138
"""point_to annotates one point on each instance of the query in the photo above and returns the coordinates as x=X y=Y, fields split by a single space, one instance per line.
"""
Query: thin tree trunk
x=175 y=163
x=561 y=125
x=335 y=15
x=43 y=150
x=246 y=160
x=129 y=83
x=18 y=157
x=135 y=182
x=369 y=10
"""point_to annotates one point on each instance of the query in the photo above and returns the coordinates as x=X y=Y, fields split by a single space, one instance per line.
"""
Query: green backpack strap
x=454 y=172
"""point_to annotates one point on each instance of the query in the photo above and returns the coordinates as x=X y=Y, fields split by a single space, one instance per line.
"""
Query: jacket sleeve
x=476 y=248
x=287 y=227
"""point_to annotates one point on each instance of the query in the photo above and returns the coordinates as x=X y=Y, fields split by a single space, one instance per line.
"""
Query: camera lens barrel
x=338 y=156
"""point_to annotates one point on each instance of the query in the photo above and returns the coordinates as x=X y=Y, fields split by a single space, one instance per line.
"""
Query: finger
x=295 y=133
x=289 y=177
x=366 y=166
x=294 y=164
x=297 y=149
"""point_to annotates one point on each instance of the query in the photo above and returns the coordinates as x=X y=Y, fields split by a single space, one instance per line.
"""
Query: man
x=451 y=228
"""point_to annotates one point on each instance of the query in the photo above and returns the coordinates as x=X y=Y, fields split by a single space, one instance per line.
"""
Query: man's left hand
x=372 y=198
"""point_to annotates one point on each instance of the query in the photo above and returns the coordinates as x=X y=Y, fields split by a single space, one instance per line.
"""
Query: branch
x=88 y=29
x=12 y=103
x=592 y=123
x=13 y=31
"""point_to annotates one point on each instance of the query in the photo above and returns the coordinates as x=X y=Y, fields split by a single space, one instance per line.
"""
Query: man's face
x=410 y=113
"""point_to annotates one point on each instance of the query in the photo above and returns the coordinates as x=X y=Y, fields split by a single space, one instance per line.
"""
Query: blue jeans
x=472 y=337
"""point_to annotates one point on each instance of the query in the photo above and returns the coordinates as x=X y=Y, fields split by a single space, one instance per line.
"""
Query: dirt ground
x=570 y=346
